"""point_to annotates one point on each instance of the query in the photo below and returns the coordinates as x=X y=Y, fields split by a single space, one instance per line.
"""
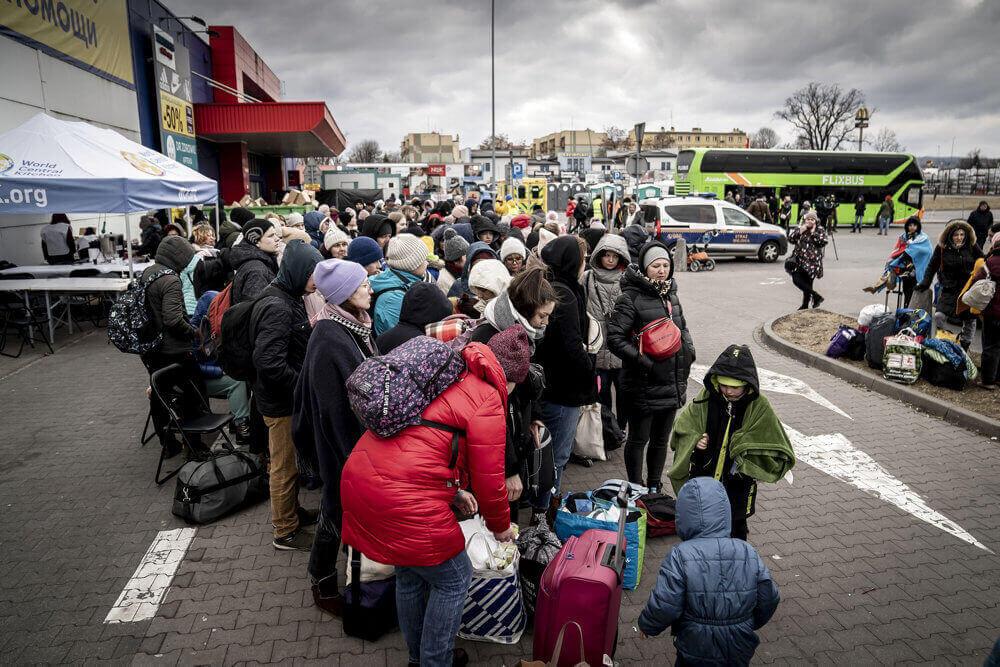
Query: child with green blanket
x=730 y=432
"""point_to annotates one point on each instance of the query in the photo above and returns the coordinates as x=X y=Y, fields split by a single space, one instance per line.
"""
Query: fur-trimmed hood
x=970 y=233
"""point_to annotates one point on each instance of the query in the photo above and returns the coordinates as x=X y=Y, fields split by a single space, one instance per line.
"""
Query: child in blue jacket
x=713 y=591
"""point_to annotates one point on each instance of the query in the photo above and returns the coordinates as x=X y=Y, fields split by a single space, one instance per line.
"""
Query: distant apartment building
x=695 y=138
x=430 y=147
x=577 y=142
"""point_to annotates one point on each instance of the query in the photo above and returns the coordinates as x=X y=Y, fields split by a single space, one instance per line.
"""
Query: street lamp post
x=493 y=100
x=861 y=122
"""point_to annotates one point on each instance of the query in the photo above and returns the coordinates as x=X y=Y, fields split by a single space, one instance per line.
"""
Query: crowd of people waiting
x=551 y=322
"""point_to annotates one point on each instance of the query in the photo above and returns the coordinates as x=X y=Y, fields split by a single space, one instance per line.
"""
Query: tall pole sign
x=172 y=71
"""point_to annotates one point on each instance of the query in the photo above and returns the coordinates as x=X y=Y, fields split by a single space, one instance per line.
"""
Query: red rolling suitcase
x=583 y=585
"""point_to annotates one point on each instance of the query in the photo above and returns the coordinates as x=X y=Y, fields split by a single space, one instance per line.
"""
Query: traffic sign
x=517 y=170
x=617 y=175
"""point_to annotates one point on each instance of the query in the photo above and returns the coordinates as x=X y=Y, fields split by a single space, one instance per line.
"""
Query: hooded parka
x=649 y=384
x=603 y=287
x=423 y=304
x=165 y=296
x=569 y=369
x=254 y=270
x=397 y=492
x=712 y=592
x=952 y=265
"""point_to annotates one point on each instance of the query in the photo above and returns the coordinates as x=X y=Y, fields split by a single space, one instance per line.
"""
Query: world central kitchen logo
x=6 y=163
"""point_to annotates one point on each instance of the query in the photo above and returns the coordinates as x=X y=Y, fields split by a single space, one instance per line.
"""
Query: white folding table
x=63 y=270
x=60 y=286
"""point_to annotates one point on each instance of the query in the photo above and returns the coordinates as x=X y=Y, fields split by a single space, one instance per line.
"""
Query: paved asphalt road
x=873 y=545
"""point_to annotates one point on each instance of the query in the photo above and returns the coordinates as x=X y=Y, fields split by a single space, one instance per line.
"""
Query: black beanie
x=255 y=229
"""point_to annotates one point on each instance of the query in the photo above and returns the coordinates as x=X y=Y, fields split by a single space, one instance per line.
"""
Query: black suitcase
x=882 y=327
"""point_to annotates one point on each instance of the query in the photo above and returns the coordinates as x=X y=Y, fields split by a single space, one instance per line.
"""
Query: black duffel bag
x=209 y=490
x=943 y=374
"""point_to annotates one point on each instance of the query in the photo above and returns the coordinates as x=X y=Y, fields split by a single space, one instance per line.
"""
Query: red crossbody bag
x=660 y=339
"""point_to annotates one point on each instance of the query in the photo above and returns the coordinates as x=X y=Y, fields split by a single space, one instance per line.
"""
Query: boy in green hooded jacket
x=730 y=432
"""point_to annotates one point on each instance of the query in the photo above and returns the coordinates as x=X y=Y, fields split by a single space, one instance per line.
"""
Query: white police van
x=733 y=232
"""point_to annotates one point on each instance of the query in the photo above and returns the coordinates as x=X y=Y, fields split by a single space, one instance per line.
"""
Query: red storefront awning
x=289 y=129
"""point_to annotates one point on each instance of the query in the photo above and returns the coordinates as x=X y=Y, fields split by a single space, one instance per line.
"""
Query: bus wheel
x=710 y=265
x=695 y=266
x=768 y=252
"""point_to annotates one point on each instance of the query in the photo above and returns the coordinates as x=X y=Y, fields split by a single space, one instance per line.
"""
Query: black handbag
x=369 y=608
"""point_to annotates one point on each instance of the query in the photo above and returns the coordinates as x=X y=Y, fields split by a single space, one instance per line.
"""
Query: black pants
x=804 y=282
x=742 y=492
x=651 y=427
x=326 y=545
x=991 y=350
x=612 y=378
x=154 y=361
x=908 y=282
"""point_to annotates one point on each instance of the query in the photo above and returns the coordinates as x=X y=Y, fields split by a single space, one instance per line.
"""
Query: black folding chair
x=190 y=415
x=23 y=319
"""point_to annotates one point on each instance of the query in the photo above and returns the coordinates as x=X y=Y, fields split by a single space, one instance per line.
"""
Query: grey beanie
x=653 y=254
x=454 y=247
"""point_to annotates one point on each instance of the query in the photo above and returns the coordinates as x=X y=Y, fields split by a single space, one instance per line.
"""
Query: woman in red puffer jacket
x=397 y=495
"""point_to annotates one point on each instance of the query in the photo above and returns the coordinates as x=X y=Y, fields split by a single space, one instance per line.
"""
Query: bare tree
x=616 y=139
x=392 y=156
x=501 y=142
x=886 y=142
x=367 y=150
x=823 y=114
x=765 y=137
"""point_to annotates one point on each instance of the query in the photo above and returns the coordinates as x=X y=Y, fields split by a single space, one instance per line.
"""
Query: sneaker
x=297 y=541
x=242 y=431
x=307 y=517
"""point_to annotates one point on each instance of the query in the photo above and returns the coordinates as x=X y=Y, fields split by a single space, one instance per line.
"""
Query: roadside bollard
x=680 y=255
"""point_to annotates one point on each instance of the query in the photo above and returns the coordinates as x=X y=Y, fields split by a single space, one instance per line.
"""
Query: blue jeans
x=561 y=420
x=429 y=601
x=883 y=224
x=858 y=219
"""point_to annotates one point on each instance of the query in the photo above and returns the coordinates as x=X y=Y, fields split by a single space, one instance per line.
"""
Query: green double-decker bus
x=806 y=176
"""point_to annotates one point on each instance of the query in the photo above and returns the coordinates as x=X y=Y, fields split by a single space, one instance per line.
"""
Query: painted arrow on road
x=781 y=384
x=837 y=456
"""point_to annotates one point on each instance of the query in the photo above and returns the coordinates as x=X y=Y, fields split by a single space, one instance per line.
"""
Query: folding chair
x=188 y=418
x=23 y=319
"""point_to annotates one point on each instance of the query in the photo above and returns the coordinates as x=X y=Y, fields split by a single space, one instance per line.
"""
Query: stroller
x=697 y=257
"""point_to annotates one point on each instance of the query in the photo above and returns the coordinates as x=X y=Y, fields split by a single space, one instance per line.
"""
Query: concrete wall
x=30 y=82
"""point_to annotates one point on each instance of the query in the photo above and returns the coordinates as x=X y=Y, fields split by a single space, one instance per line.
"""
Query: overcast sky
x=385 y=68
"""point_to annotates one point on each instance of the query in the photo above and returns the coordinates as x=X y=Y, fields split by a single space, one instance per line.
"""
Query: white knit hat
x=489 y=274
x=405 y=252
x=294 y=220
x=512 y=247
x=335 y=236
x=544 y=237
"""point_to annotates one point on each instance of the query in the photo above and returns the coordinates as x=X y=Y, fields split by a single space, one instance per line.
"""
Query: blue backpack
x=913 y=318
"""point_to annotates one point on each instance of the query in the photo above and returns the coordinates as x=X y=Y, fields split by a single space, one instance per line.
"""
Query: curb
x=947 y=411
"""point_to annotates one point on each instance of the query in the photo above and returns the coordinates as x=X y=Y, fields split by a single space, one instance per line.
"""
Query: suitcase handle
x=616 y=560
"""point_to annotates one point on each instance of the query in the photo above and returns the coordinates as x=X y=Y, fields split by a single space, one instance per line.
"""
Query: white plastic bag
x=483 y=550
x=371 y=570
x=868 y=313
x=589 y=441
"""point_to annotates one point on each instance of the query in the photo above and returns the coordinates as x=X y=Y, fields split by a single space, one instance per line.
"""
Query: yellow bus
x=527 y=192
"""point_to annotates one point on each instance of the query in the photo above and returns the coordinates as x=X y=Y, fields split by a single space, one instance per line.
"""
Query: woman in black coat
x=952 y=262
x=570 y=379
x=324 y=427
x=652 y=389
x=254 y=260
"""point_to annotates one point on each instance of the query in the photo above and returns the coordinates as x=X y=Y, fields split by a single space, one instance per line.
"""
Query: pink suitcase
x=582 y=584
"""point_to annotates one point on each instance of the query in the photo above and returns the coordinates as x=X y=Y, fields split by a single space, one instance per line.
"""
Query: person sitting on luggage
x=713 y=592
x=397 y=498
x=730 y=432
x=907 y=262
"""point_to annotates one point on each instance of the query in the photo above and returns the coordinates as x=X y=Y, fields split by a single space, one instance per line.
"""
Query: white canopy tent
x=48 y=165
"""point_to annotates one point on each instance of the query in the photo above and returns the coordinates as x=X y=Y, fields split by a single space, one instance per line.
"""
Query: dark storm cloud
x=388 y=68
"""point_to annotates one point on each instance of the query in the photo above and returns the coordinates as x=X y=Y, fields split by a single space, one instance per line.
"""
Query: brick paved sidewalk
x=861 y=580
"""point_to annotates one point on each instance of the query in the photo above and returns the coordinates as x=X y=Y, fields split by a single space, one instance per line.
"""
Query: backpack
x=840 y=342
x=913 y=318
x=220 y=304
x=129 y=321
x=882 y=327
x=236 y=341
x=389 y=392
x=943 y=373
x=661 y=514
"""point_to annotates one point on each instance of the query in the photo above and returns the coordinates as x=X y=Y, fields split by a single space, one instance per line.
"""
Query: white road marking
x=837 y=456
x=774 y=281
x=146 y=589
x=781 y=384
